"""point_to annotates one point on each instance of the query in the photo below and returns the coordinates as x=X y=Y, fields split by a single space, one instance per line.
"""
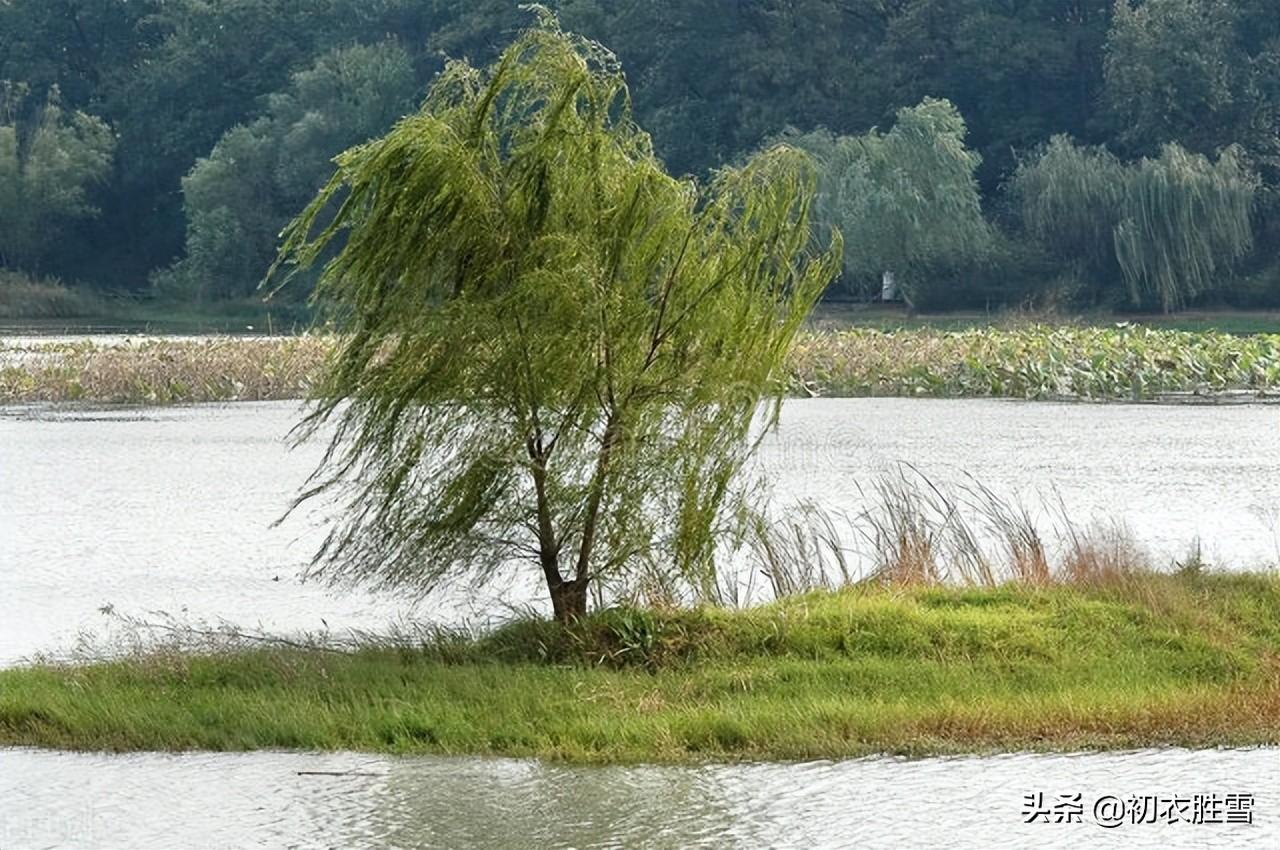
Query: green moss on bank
x=1158 y=660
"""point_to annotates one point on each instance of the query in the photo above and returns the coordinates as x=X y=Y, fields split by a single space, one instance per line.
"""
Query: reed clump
x=916 y=532
x=23 y=297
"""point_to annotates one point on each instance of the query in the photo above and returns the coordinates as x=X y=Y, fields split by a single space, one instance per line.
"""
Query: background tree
x=1202 y=73
x=1067 y=198
x=906 y=201
x=711 y=81
x=258 y=176
x=1019 y=72
x=1170 y=76
x=1165 y=229
x=1184 y=222
x=556 y=350
x=47 y=168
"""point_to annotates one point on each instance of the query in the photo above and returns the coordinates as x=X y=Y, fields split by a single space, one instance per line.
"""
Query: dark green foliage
x=906 y=201
x=711 y=81
x=1202 y=73
x=48 y=166
x=1168 y=228
x=259 y=175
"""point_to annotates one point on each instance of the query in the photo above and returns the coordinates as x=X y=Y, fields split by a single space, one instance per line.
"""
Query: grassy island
x=1179 y=659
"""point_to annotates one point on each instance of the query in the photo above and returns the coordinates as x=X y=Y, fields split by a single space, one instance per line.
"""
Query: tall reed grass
x=23 y=297
x=916 y=532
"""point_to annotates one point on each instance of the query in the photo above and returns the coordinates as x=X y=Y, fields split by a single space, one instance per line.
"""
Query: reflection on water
x=171 y=509
x=347 y=800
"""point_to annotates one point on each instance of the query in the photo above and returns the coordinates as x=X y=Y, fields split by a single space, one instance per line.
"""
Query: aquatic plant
x=1124 y=362
x=162 y=371
x=1118 y=362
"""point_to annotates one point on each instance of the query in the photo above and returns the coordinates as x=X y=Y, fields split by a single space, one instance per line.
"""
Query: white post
x=888 y=287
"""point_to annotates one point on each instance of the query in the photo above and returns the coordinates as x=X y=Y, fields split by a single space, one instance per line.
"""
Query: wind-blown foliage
x=556 y=350
x=1168 y=228
x=906 y=201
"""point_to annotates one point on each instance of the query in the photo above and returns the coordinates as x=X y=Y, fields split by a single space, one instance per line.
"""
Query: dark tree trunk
x=569 y=600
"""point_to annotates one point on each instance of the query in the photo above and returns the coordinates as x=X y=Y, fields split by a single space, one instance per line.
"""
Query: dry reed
x=917 y=532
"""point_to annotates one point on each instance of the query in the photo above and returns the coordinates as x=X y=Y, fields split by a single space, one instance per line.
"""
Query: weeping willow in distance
x=555 y=349
x=1170 y=227
x=906 y=201
x=1184 y=222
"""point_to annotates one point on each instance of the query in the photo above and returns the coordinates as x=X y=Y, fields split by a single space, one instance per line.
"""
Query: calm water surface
x=171 y=509
x=261 y=800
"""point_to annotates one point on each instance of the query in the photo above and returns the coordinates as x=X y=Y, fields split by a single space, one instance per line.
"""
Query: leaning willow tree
x=555 y=351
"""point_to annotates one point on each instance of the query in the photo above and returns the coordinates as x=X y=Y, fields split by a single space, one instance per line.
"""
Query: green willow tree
x=1168 y=228
x=906 y=201
x=1068 y=199
x=556 y=350
x=1184 y=222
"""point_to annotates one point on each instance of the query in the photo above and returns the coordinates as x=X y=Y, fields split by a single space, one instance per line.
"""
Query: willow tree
x=1068 y=198
x=1170 y=228
x=555 y=349
x=906 y=201
x=1185 y=220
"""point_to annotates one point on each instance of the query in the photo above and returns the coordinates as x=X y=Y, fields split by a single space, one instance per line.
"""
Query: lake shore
x=1144 y=660
x=1042 y=362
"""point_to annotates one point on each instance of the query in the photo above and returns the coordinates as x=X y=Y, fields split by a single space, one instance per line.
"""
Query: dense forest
x=1051 y=153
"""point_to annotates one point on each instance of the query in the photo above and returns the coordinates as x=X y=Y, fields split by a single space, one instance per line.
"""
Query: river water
x=171 y=509
x=349 y=800
x=142 y=511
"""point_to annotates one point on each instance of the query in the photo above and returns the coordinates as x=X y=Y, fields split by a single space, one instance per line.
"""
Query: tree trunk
x=569 y=600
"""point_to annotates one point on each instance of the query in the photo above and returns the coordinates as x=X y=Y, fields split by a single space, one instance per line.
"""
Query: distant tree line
x=983 y=153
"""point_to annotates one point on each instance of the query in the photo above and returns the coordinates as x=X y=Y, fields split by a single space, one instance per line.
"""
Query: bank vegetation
x=1038 y=361
x=969 y=631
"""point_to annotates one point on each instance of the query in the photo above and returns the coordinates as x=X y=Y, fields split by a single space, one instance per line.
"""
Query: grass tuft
x=23 y=297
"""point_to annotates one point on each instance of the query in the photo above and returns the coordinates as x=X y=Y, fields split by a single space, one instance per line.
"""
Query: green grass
x=1153 y=660
x=133 y=316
